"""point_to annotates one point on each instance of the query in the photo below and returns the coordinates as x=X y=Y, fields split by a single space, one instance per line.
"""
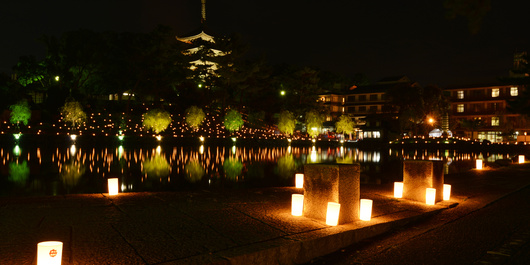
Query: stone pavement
x=204 y=227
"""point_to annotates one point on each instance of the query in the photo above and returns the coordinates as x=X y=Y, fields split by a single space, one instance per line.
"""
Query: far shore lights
x=73 y=137
x=113 y=186
x=297 y=204
x=159 y=137
x=332 y=214
x=430 y=196
x=521 y=159
x=201 y=139
x=49 y=253
x=17 y=135
x=479 y=164
x=299 y=180
x=366 y=209
x=447 y=192
x=398 y=189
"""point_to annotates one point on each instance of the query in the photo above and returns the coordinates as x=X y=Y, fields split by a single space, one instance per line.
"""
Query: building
x=202 y=48
x=368 y=105
x=482 y=112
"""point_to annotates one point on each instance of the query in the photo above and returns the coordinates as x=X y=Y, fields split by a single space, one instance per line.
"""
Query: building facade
x=482 y=112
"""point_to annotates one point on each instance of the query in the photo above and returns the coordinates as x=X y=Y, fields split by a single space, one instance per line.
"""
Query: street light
x=282 y=92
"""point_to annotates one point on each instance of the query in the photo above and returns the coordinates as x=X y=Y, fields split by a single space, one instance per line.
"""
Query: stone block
x=418 y=175
x=338 y=183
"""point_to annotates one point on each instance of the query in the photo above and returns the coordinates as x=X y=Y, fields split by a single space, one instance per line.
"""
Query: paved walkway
x=237 y=227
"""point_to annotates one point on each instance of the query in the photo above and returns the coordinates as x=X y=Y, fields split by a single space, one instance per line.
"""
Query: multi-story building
x=368 y=105
x=482 y=112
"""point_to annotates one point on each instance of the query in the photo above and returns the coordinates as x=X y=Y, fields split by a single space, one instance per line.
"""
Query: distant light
x=73 y=137
x=17 y=136
x=479 y=164
x=201 y=139
x=521 y=159
x=113 y=186
x=234 y=139
x=57 y=78
x=159 y=137
x=282 y=92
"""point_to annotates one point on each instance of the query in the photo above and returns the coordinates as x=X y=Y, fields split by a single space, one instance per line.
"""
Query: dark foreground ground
x=237 y=227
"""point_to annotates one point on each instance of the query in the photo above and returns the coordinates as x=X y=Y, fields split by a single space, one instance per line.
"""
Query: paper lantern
x=49 y=253
x=430 y=196
x=366 y=209
x=113 y=186
x=299 y=180
x=297 y=204
x=479 y=163
x=521 y=159
x=398 y=189
x=332 y=215
x=447 y=192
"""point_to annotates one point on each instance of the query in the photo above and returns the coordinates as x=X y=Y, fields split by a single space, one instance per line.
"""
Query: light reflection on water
x=79 y=169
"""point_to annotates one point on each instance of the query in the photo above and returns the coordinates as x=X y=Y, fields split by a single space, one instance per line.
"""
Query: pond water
x=41 y=169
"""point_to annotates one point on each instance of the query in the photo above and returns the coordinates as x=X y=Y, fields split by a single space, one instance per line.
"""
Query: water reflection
x=18 y=173
x=84 y=169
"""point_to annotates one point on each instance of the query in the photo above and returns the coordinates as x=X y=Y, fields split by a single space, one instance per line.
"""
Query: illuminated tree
x=233 y=121
x=345 y=125
x=20 y=112
x=313 y=122
x=194 y=117
x=73 y=113
x=286 y=122
x=157 y=120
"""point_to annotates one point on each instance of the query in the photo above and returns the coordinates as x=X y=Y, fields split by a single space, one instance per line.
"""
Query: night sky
x=377 y=38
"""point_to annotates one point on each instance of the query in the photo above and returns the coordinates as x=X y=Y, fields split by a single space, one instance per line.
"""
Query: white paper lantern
x=447 y=192
x=49 y=253
x=297 y=204
x=113 y=186
x=299 y=180
x=398 y=189
x=332 y=214
x=521 y=159
x=430 y=196
x=366 y=209
x=479 y=163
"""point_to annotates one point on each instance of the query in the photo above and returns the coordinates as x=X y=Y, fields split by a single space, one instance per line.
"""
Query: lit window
x=494 y=92
x=460 y=108
x=514 y=91
x=494 y=121
x=460 y=94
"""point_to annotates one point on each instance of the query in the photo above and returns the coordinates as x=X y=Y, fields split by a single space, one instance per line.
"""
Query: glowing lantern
x=447 y=192
x=113 y=186
x=521 y=159
x=366 y=209
x=299 y=180
x=398 y=189
x=297 y=204
x=49 y=253
x=332 y=214
x=479 y=164
x=430 y=196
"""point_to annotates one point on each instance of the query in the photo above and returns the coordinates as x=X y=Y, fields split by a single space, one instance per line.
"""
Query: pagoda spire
x=203 y=11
